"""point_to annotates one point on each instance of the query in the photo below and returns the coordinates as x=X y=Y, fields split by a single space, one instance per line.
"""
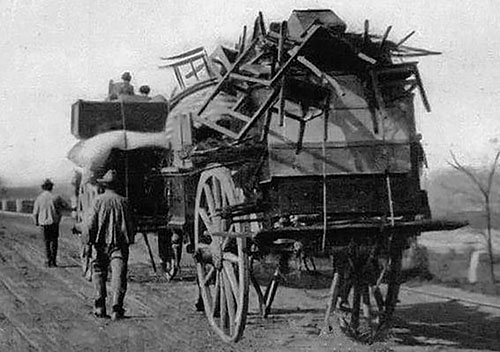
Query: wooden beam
x=193 y=71
x=239 y=102
x=184 y=62
x=423 y=95
x=228 y=73
x=281 y=47
x=233 y=234
x=262 y=25
x=425 y=51
x=267 y=104
x=415 y=54
x=243 y=40
x=384 y=38
x=366 y=34
x=185 y=54
x=295 y=53
x=263 y=82
x=236 y=114
x=300 y=139
x=178 y=75
x=288 y=114
x=216 y=127
x=405 y=38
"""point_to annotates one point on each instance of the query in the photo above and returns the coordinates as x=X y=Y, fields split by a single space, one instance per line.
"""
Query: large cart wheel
x=222 y=261
x=368 y=290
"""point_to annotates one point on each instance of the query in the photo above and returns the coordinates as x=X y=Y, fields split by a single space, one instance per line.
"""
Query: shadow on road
x=447 y=324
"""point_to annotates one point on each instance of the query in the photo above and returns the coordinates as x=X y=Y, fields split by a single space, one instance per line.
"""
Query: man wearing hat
x=125 y=87
x=109 y=230
x=47 y=214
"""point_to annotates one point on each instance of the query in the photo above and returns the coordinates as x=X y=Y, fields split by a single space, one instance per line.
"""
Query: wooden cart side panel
x=349 y=196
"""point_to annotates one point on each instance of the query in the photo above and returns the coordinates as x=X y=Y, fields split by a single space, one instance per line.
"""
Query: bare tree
x=485 y=189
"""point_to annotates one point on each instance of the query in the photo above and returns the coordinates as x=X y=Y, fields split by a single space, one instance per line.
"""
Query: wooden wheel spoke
x=356 y=303
x=379 y=299
x=209 y=276
x=227 y=299
x=230 y=257
x=216 y=299
x=223 y=302
x=216 y=187
x=366 y=303
x=225 y=243
x=210 y=198
x=225 y=201
x=231 y=310
x=332 y=301
x=206 y=220
x=229 y=269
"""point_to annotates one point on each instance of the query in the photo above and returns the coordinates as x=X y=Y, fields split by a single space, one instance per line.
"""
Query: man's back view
x=109 y=229
x=47 y=214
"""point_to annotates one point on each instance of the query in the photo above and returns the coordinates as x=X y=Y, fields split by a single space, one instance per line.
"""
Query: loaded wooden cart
x=302 y=135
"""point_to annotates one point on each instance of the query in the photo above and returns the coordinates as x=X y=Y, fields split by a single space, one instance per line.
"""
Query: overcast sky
x=56 y=52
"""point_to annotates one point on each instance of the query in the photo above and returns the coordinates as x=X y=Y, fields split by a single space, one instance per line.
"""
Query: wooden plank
x=233 y=234
x=237 y=115
x=295 y=52
x=281 y=48
x=262 y=25
x=400 y=82
x=406 y=37
x=193 y=71
x=267 y=104
x=384 y=38
x=425 y=51
x=415 y=54
x=423 y=95
x=178 y=75
x=183 y=62
x=243 y=40
x=185 y=54
x=300 y=137
x=198 y=68
x=239 y=102
x=366 y=33
x=259 y=81
x=288 y=114
x=216 y=127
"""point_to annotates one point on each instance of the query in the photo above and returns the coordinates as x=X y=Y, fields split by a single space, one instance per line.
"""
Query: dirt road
x=48 y=309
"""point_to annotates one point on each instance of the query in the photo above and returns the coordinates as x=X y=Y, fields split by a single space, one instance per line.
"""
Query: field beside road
x=49 y=309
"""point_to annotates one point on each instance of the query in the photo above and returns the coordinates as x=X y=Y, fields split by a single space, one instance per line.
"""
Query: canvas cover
x=92 y=154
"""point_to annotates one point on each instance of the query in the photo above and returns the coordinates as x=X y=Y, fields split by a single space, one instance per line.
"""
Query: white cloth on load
x=91 y=154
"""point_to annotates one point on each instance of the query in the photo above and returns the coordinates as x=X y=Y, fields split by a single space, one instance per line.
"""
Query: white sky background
x=54 y=52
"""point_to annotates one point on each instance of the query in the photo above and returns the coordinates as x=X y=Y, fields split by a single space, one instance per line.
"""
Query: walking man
x=108 y=228
x=47 y=214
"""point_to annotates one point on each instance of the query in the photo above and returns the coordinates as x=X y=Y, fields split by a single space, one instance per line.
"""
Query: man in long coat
x=108 y=228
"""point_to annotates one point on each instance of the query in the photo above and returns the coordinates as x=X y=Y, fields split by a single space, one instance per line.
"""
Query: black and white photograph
x=249 y=175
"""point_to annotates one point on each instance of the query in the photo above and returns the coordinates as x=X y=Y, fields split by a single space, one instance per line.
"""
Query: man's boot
x=100 y=308
x=117 y=313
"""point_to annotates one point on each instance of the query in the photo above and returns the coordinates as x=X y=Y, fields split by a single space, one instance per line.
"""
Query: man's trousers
x=117 y=258
x=50 y=236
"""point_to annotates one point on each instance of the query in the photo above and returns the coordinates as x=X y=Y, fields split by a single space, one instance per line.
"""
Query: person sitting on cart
x=144 y=90
x=121 y=88
x=110 y=231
